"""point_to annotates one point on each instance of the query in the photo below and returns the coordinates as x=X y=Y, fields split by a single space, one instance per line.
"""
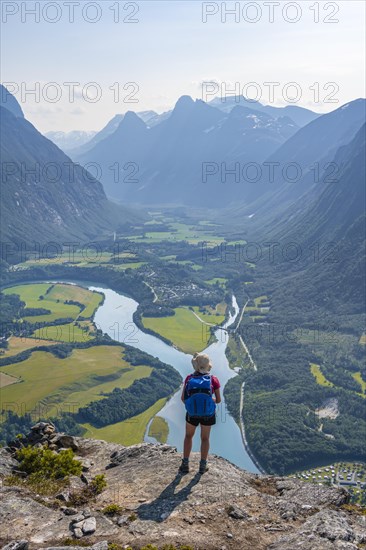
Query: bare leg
x=205 y=441
x=187 y=447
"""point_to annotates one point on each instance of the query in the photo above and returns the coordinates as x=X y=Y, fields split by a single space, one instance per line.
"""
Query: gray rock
x=65 y=441
x=69 y=511
x=78 y=518
x=16 y=545
x=89 y=526
x=78 y=525
x=123 y=520
x=78 y=533
x=237 y=513
x=76 y=484
x=103 y=545
x=64 y=496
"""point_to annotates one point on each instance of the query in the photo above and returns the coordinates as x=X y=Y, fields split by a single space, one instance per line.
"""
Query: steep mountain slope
x=44 y=195
x=339 y=203
x=302 y=163
x=171 y=156
x=153 y=505
x=8 y=101
x=299 y=115
x=331 y=232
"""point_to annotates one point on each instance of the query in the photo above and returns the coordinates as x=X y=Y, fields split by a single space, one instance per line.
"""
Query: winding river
x=114 y=317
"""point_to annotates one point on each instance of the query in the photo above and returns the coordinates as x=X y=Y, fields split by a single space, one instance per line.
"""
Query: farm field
x=159 y=429
x=52 y=297
x=127 y=432
x=68 y=333
x=210 y=315
x=47 y=381
x=183 y=329
x=6 y=380
x=17 y=345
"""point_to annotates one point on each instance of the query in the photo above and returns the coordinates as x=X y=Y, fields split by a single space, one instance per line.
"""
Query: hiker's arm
x=182 y=396
x=217 y=396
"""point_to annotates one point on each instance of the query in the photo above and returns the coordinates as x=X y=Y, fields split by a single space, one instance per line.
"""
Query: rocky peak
x=146 y=501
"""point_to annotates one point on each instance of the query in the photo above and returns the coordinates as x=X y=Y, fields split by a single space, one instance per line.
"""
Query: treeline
x=33 y=311
x=125 y=403
x=281 y=398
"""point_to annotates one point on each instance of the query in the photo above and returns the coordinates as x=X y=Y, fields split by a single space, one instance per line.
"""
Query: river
x=114 y=317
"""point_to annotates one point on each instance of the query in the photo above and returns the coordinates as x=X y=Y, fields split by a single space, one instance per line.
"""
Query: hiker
x=201 y=392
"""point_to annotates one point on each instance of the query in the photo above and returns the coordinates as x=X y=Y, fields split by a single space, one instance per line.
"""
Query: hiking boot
x=203 y=466
x=184 y=467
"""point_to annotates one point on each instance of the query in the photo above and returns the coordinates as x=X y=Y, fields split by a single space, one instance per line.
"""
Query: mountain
x=299 y=115
x=169 y=157
x=151 y=118
x=302 y=163
x=146 y=504
x=45 y=196
x=339 y=203
x=8 y=101
x=70 y=140
x=330 y=230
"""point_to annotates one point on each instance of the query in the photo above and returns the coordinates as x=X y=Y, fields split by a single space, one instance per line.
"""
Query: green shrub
x=95 y=487
x=44 y=464
x=113 y=546
x=112 y=510
x=38 y=485
x=72 y=542
x=97 y=484
x=132 y=517
x=149 y=547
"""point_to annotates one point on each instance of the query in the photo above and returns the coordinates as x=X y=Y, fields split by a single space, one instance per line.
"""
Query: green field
x=183 y=329
x=221 y=280
x=52 y=297
x=17 y=345
x=51 y=381
x=74 y=257
x=6 y=380
x=159 y=429
x=358 y=377
x=128 y=432
x=177 y=231
x=319 y=376
x=209 y=315
x=68 y=333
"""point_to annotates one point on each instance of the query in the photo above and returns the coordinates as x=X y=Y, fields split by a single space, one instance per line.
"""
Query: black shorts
x=203 y=420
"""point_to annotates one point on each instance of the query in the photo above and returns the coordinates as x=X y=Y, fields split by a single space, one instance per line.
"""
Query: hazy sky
x=169 y=51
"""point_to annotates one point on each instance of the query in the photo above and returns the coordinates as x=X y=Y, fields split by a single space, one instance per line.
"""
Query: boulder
x=89 y=526
x=16 y=545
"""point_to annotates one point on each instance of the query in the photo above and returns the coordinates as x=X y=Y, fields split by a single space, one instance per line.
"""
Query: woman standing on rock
x=201 y=392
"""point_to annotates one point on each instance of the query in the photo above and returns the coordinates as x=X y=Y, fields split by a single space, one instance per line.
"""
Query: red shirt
x=215 y=384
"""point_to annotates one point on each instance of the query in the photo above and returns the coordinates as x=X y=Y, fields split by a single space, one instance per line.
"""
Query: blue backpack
x=198 y=401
